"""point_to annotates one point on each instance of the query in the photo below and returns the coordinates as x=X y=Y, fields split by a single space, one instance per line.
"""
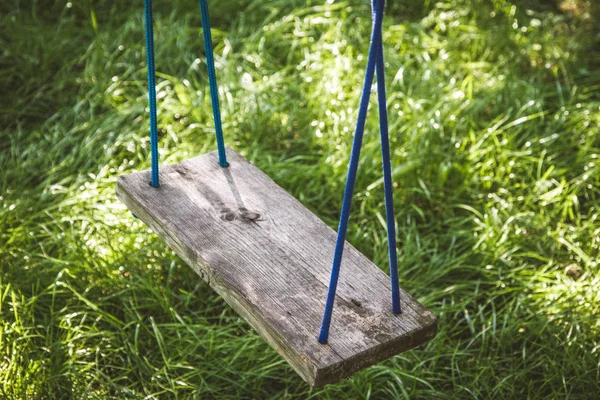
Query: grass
x=495 y=114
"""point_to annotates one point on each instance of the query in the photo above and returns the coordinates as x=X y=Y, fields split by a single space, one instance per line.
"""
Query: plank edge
x=346 y=368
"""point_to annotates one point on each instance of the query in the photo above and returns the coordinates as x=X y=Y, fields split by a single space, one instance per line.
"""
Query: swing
x=268 y=256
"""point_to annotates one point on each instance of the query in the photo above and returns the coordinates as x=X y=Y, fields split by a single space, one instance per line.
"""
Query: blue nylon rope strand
x=387 y=176
x=212 y=79
x=377 y=7
x=155 y=182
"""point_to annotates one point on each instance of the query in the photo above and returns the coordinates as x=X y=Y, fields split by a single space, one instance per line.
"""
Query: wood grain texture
x=270 y=258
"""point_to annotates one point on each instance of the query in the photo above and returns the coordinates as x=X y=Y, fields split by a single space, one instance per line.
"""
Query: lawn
x=494 y=109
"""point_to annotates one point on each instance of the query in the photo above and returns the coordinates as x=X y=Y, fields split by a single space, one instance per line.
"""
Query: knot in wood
x=242 y=214
x=249 y=216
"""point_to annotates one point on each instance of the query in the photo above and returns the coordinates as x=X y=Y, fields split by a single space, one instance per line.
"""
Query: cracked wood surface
x=270 y=258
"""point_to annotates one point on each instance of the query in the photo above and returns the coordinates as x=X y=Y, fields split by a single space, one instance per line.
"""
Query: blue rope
x=151 y=91
x=387 y=178
x=212 y=79
x=373 y=59
x=375 y=63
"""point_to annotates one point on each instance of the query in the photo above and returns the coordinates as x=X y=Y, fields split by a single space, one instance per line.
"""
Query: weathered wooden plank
x=269 y=257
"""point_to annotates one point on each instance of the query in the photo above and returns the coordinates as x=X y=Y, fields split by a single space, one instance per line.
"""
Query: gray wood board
x=270 y=258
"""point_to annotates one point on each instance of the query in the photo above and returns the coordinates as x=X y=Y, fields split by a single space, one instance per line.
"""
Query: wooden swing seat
x=270 y=258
